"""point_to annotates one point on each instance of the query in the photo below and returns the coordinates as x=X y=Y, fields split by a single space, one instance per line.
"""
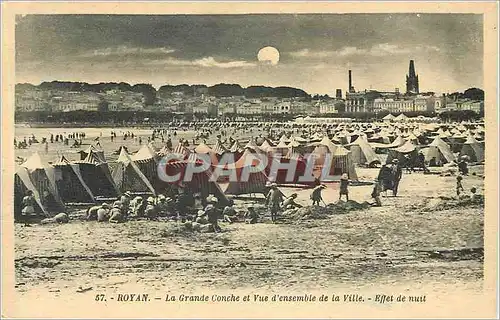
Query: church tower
x=412 y=80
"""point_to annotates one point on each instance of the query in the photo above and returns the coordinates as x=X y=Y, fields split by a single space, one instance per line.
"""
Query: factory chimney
x=351 y=88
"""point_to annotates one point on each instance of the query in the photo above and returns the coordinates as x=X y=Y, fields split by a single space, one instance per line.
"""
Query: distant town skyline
x=315 y=51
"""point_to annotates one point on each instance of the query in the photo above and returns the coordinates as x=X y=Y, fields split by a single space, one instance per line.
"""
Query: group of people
x=207 y=211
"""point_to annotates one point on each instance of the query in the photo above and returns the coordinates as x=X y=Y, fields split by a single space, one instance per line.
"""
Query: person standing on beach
x=384 y=178
x=316 y=196
x=397 y=173
x=344 y=183
x=274 y=200
x=377 y=189
x=459 y=187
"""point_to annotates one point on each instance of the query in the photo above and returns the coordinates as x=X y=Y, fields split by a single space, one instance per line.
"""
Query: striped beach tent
x=128 y=176
x=97 y=176
x=199 y=182
x=256 y=181
x=70 y=184
x=43 y=177
x=23 y=183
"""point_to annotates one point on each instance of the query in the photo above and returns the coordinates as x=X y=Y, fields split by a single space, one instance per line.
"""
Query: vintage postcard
x=249 y=160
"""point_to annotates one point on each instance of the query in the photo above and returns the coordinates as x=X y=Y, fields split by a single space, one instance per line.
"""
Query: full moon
x=269 y=55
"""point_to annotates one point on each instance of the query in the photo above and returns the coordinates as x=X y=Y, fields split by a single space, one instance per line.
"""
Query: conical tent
x=362 y=152
x=96 y=149
x=199 y=182
x=339 y=162
x=266 y=146
x=43 y=178
x=22 y=183
x=281 y=148
x=128 y=177
x=406 y=154
x=401 y=117
x=295 y=162
x=181 y=150
x=147 y=162
x=219 y=148
x=252 y=146
x=97 y=176
x=236 y=147
x=163 y=151
x=398 y=142
x=203 y=149
x=284 y=138
x=388 y=117
x=70 y=183
x=473 y=150
x=256 y=181
x=439 y=152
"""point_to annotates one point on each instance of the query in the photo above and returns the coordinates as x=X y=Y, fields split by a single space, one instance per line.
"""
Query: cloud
x=159 y=57
x=206 y=62
x=378 y=50
x=211 y=62
x=126 y=51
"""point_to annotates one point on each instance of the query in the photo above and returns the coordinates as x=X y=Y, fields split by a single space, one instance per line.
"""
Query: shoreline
x=85 y=125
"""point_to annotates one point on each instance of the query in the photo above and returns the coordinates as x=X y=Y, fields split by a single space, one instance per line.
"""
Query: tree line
x=150 y=93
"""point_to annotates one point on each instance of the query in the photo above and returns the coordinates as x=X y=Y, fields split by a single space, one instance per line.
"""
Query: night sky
x=315 y=50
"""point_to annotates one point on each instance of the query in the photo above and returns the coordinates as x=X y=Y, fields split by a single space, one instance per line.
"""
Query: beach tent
x=69 y=182
x=163 y=151
x=252 y=146
x=203 y=149
x=323 y=146
x=406 y=154
x=219 y=148
x=42 y=176
x=236 y=147
x=266 y=146
x=97 y=176
x=411 y=137
x=147 y=160
x=256 y=181
x=362 y=152
x=339 y=162
x=281 y=148
x=182 y=150
x=199 y=182
x=284 y=138
x=22 y=183
x=128 y=177
x=440 y=151
x=388 y=117
x=401 y=118
x=96 y=149
x=472 y=149
x=276 y=171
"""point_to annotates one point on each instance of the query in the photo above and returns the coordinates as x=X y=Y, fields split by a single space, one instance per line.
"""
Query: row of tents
x=83 y=181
